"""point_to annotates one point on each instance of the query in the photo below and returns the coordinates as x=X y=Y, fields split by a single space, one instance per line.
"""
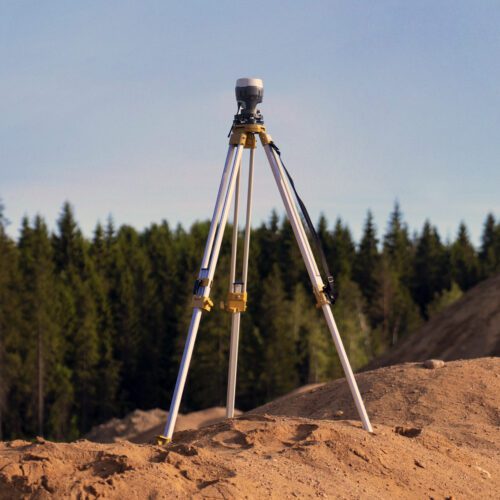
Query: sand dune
x=469 y=328
x=436 y=436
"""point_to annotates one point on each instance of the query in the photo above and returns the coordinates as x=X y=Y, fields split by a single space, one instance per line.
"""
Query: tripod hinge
x=321 y=298
x=202 y=302
x=241 y=138
x=244 y=135
x=236 y=302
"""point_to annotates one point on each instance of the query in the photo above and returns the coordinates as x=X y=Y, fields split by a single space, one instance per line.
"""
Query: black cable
x=330 y=288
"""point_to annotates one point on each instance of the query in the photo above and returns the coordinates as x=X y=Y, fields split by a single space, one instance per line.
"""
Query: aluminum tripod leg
x=207 y=271
x=316 y=279
x=236 y=316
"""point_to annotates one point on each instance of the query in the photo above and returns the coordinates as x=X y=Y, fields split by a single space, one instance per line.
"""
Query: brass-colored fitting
x=202 y=302
x=265 y=138
x=251 y=142
x=251 y=128
x=321 y=298
x=244 y=135
x=238 y=138
x=162 y=440
x=236 y=302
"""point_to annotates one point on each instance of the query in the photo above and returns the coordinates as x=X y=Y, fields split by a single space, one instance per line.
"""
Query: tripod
x=248 y=124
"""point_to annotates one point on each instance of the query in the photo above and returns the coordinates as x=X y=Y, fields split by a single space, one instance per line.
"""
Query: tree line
x=94 y=328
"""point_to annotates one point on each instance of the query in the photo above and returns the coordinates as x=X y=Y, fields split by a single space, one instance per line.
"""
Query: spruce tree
x=107 y=367
x=431 y=269
x=489 y=254
x=343 y=251
x=464 y=262
x=366 y=264
x=397 y=246
x=41 y=315
x=10 y=338
x=79 y=315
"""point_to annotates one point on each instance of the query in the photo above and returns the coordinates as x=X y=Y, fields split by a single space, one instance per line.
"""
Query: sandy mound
x=436 y=435
x=142 y=426
x=460 y=400
x=469 y=328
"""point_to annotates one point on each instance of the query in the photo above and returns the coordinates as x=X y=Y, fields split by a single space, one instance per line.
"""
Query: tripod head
x=249 y=93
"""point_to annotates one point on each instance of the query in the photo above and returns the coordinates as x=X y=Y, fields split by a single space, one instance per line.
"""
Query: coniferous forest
x=91 y=329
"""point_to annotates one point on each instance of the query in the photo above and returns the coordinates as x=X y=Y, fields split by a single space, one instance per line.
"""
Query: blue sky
x=123 y=107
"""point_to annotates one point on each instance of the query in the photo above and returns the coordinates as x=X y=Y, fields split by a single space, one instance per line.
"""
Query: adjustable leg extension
x=201 y=297
x=316 y=280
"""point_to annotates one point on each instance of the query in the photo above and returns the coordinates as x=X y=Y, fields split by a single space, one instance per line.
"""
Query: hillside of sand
x=436 y=436
x=468 y=328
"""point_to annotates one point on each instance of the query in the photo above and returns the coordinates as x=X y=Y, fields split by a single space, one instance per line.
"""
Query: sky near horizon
x=123 y=108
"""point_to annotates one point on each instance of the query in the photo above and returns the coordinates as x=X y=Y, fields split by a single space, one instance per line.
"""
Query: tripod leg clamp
x=162 y=440
x=321 y=298
x=236 y=302
x=202 y=302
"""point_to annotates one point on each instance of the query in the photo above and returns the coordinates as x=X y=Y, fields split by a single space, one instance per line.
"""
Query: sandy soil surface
x=436 y=436
x=469 y=328
x=142 y=426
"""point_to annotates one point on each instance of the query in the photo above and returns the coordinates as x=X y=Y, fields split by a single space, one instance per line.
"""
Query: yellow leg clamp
x=204 y=303
x=162 y=440
x=236 y=302
x=321 y=298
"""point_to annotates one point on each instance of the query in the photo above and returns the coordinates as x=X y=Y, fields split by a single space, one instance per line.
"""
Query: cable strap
x=329 y=289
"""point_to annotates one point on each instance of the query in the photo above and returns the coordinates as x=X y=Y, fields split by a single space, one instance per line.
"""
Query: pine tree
x=10 y=339
x=366 y=264
x=343 y=251
x=464 y=262
x=394 y=309
x=126 y=259
x=79 y=315
x=431 y=269
x=397 y=246
x=40 y=312
x=108 y=367
x=395 y=312
x=489 y=255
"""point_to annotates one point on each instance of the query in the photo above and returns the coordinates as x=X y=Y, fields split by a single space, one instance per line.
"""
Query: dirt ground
x=436 y=436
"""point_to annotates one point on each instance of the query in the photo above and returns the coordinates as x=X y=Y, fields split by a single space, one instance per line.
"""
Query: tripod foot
x=162 y=440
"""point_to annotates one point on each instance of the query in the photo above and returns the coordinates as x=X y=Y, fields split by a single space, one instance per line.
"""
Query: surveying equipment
x=247 y=125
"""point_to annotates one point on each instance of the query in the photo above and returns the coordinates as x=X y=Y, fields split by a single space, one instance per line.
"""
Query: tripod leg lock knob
x=202 y=302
